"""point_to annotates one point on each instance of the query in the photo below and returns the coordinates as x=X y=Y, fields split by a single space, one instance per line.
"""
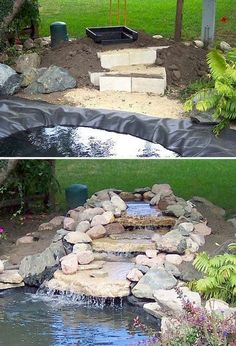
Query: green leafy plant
x=219 y=279
x=221 y=98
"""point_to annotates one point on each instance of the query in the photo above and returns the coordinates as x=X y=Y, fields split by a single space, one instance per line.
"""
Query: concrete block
x=152 y=85
x=117 y=59
x=142 y=57
x=115 y=83
x=95 y=77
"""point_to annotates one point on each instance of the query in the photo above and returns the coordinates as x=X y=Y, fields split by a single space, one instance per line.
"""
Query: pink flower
x=2 y=230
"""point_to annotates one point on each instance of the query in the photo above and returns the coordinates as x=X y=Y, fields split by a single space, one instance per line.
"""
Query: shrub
x=221 y=98
x=219 y=279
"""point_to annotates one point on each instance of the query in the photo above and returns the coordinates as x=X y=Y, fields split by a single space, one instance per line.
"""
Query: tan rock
x=134 y=275
x=150 y=262
x=114 y=228
x=161 y=188
x=26 y=61
x=85 y=257
x=148 y=195
x=118 y=203
x=202 y=229
x=57 y=221
x=109 y=216
x=89 y=214
x=153 y=309
x=46 y=226
x=122 y=245
x=91 y=266
x=69 y=264
x=74 y=214
x=81 y=247
x=83 y=226
x=11 y=277
x=69 y=224
x=96 y=232
x=4 y=286
x=174 y=259
x=77 y=237
x=151 y=253
x=25 y=240
x=127 y=196
x=113 y=285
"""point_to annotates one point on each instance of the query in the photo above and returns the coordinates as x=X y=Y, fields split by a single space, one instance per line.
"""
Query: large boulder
x=36 y=268
x=171 y=302
x=53 y=79
x=26 y=61
x=10 y=81
x=156 y=278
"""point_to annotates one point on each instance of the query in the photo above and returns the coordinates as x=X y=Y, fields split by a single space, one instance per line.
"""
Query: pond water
x=40 y=320
x=142 y=209
x=64 y=141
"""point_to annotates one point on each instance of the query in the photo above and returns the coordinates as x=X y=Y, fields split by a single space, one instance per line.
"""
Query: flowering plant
x=196 y=327
x=3 y=234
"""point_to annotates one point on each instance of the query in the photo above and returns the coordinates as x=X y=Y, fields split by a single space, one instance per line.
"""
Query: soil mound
x=184 y=64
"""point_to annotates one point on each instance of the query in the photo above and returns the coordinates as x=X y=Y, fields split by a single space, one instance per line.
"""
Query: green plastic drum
x=58 y=33
x=76 y=195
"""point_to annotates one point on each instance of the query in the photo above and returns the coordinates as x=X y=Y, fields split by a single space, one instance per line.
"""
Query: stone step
x=139 y=78
x=130 y=56
x=87 y=282
x=123 y=245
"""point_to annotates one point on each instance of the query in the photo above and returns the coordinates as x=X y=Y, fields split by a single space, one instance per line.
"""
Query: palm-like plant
x=219 y=279
x=221 y=99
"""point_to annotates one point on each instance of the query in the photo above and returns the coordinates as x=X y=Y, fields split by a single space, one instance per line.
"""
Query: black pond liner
x=184 y=137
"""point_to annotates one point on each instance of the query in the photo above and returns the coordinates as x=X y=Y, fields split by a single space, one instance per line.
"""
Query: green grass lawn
x=152 y=16
x=212 y=179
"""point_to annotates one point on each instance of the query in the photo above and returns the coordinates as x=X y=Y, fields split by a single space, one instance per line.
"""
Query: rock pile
x=28 y=75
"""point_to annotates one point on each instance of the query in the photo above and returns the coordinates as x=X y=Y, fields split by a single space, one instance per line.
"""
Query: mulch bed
x=184 y=64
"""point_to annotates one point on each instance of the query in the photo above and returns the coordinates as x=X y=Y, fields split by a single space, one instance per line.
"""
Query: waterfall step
x=123 y=245
x=90 y=283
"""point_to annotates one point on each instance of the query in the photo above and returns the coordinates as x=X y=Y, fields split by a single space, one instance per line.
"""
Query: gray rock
x=26 y=61
x=156 y=278
x=172 y=242
x=53 y=79
x=35 y=269
x=142 y=190
x=31 y=74
x=171 y=268
x=10 y=81
x=29 y=44
x=224 y=46
x=185 y=228
x=142 y=268
x=175 y=210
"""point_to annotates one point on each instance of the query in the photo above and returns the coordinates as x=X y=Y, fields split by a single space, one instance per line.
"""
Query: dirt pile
x=184 y=64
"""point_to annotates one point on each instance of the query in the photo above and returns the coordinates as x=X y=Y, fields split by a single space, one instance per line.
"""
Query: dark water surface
x=64 y=141
x=30 y=319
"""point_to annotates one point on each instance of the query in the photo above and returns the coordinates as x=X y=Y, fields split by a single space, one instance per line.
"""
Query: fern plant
x=219 y=280
x=221 y=98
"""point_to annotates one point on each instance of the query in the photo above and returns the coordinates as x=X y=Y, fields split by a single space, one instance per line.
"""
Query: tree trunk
x=10 y=17
x=178 y=22
x=8 y=167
